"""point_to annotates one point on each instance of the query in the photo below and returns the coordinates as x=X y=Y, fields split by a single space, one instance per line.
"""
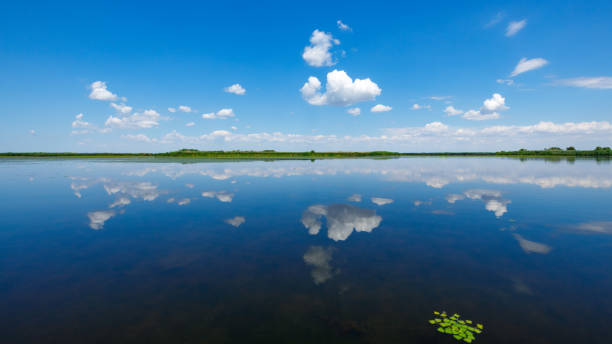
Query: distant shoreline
x=600 y=152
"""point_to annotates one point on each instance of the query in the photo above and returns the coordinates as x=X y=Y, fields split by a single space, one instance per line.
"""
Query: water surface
x=336 y=251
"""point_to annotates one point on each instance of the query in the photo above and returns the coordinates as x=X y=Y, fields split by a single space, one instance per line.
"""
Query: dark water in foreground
x=334 y=251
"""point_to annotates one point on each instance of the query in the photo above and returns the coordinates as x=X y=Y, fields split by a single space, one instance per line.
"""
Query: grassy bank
x=267 y=154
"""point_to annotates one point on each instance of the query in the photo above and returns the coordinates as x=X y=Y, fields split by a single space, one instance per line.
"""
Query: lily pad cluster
x=463 y=330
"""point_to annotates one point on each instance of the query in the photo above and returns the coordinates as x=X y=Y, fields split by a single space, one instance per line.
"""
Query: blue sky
x=480 y=76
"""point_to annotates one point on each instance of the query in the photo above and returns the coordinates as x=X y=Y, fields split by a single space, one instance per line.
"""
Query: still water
x=326 y=251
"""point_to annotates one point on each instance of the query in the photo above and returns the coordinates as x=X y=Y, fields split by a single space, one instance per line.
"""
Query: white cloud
x=381 y=201
x=124 y=109
x=354 y=111
x=343 y=26
x=435 y=134
x=526 y=65
x=354 y=198
x=138 y=120
x=184 y=108
x=496 y=19
x=234 y=127
x=496 y=103
x=340 y=90
x=99 y=91
x=514 y=27
x=319 y=258
x=507 y=82
x=98 y=218
x=317 y=53
x=137 y=137
x=236 y=221
x=80 y=126
x=171 y=109
x=342 y=219
x=221 y=114
x=476 y=115
x=380 y=108
x=190 y=124
x=599 y=82
x=439 y=98
x=420 y=107
x=32 y=132
x=489 y=110
x=435 y=127
x=531 y=246
x=235 y=89
x=451 y=111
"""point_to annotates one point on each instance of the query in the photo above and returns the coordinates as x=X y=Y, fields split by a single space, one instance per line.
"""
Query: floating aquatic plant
x=460 y=329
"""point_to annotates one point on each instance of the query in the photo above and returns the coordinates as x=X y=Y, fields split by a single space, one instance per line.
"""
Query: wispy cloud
x=514 y=27
x=343 y=26
x=526 y=65
x=597 y=82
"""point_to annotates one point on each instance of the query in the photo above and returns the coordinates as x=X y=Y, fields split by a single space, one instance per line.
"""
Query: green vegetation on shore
x=271 y=154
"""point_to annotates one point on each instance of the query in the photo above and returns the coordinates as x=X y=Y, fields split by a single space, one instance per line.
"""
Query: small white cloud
x=234 y=128
x=221 y=114
x=435 y=127
x=514 y=27
x=145 y=119
x=354 y=111
x=235 y=89
x=598 y=82
x=496 y=103
x=508 y=82
x=340 y=90
x=451 y=111
x=184 y=108
x=496 y=19
x=317 y=53
x=354 y=198
x=124 y=109
x=489 y=110
x=343 y=26
x=99 y=91
x=171 y=109
x=419 y=107
x=32 y=132
x=526 y=65
x=236 y=221
x=380 y=108
x=381 y=201
x=190 y=124
x=439 y=98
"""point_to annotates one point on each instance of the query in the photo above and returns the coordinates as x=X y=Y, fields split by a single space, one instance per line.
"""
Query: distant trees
x=570 y=148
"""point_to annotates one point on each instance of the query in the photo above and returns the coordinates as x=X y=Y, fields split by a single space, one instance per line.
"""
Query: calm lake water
x=326 y=251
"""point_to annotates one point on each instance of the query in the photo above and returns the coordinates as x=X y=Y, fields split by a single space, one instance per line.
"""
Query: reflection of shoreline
x=428 y=170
